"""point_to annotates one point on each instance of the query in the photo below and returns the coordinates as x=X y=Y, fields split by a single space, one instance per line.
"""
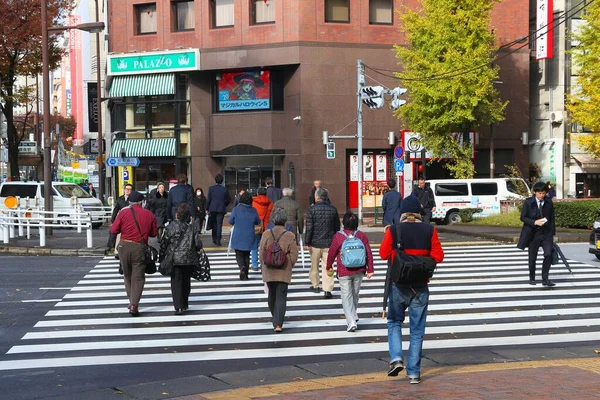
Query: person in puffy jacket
x=418 y=239
x=350 y=279
x=183 y=239
x=263 y=206
x=322 y=222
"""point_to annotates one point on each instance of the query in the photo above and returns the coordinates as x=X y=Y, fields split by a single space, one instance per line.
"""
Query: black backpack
x=408 y=269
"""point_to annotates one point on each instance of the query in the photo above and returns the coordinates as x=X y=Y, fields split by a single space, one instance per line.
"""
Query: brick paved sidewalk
x=557 y=379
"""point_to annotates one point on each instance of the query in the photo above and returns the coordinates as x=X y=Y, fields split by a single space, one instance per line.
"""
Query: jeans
x=254 y=251
x=349 y=286
x=416 y=299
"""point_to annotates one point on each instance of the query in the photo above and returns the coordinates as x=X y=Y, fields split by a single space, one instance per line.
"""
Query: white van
x=452 y=195
x=62 y=193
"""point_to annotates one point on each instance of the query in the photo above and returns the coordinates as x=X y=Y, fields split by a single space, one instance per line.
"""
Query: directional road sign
x=123 y=162
x=398 y=165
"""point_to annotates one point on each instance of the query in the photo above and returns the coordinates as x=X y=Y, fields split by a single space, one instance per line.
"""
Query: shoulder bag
x=150 y=253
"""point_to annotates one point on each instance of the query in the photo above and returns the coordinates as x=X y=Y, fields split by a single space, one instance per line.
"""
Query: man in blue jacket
x=391 y=204
x=180 y=193
x=216 y=204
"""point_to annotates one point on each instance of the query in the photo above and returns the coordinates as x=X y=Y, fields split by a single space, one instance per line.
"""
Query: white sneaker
x=352 y=328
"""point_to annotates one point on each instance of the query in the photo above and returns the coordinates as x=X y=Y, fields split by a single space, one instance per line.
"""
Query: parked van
x=62 y=193
x=452 y=195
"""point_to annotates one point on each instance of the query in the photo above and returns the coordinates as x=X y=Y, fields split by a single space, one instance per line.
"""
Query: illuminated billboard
x=243 y=91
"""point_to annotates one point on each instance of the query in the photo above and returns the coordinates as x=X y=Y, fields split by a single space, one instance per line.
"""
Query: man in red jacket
x=418 y=239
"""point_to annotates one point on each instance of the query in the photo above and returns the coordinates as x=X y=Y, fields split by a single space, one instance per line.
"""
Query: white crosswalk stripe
x=480 y=297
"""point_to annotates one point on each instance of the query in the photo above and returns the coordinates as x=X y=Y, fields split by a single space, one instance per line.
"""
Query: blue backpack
x=353 y=252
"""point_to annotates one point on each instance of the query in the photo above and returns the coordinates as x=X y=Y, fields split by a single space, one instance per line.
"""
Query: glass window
x=381 y=12
x=139 y=113
x=19 y=190
x=183 y=16
x=222 y=12
x=451 y=189
x=69 y=191
x=146 y=18
x=484 y=189
x=337 y=10
x=262 y=11
x=183 y=84
x=162 y=113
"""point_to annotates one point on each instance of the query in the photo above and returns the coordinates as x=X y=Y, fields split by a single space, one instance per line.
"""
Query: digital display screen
x=242 y=91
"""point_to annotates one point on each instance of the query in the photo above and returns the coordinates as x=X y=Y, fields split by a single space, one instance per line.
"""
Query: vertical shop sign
x=354 y=165
x=544 y=29
x=368 y=167
x=381 y=167
x=92 y=92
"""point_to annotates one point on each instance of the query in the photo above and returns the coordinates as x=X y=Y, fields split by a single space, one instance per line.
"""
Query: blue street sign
x=398 y=151
x=123 y=162
x=399 y=165
x=125 y=174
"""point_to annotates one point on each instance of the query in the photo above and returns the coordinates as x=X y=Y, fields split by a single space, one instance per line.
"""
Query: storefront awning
x=144 y=147
x=586 y=161
x=142 y=85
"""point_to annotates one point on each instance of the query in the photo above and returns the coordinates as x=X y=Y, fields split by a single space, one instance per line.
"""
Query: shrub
x=509 y=219
x=576 y=213
x=466 y=214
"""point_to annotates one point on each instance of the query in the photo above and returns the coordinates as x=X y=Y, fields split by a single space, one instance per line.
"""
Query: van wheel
x=453 y=217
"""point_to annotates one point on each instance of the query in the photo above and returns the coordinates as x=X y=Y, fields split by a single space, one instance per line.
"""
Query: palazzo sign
x=155 y=62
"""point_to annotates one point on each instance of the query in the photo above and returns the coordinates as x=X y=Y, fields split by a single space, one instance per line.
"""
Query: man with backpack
x=351 y=249
x=278 y=254
x=414 y=238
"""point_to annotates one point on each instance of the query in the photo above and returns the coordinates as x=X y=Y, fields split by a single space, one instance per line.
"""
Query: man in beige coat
x=278 y=279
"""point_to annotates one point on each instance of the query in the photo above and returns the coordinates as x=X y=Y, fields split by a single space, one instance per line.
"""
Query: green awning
x=143 y=85
x=144 y=147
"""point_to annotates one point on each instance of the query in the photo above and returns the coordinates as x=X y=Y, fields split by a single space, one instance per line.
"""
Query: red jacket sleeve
x=385 y=249
x=334 y=250
x=437 y=253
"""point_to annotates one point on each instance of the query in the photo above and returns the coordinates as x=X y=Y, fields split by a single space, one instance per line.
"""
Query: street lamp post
x=99 y=105
x=91 y=27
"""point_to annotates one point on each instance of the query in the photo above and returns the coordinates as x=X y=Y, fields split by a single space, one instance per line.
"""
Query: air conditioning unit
x=556 y=117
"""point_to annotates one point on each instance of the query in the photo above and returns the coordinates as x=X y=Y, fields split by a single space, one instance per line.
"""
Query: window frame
x=382 y=23
x=213 y=16
x=253 y=13
x=138 y=23
x=175 y=15
x=336 y=21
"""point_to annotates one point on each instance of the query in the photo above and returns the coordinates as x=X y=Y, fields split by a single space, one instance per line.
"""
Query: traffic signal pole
x=359 y=136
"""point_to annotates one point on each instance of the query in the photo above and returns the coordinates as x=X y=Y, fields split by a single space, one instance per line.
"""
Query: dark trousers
x=181 y=286
x=545 y=241
x=131 y=256
x=427 y=215
x=217 y=226
x=242 y=258
x=277 y=301
x=112 y=241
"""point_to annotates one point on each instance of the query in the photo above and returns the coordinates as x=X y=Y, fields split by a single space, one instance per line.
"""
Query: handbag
x=258 y=229
x=150 y=253
x=166 y=265
x=201 y=270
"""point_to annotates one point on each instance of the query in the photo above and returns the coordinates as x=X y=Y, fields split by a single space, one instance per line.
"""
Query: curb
x=511 y=238
x=46 y=251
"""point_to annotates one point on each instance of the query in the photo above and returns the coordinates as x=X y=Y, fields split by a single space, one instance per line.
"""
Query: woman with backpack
x=278 y=254
x=243 y=218
x=350 y=248
x=182 y=239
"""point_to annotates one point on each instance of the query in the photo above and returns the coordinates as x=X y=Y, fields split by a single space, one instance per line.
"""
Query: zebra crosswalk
x=480 y=297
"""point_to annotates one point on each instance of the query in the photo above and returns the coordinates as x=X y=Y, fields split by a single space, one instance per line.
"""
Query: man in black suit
x=180 y=193
x=538 y=230
x=216 y=204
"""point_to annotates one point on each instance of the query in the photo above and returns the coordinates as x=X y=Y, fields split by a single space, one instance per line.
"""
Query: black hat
x=249 y=77
x=410 y=205
x=135 y=197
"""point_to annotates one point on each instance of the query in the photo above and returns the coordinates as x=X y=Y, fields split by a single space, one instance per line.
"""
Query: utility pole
x=360 y=84
x=100 y=139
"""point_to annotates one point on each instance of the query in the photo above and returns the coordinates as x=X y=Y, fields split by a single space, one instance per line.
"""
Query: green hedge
x=466 y=214
x=576 y=213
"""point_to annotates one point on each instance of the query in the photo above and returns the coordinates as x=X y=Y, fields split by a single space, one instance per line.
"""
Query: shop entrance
x=249 y=178
x=148 y=176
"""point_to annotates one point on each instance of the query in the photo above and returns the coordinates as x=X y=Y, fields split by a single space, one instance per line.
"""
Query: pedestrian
x=91 y=190
x=84 y=185
x=418 y=239
x=158 y=204
x=136 y=225
x=278 y=279
x=200 y=203
x=216 y=204
x=243 y=218
x=551 y=191
x=322 y=222
x=391 y=204
x=350 y=278
x=292 y=210
x=311 y=198
x=183 y=239
x=426 y=199
x=180 y=193
x=122 y=202
x=263 y=207
x=273 y=193
x=236 y=199
x=538 y=230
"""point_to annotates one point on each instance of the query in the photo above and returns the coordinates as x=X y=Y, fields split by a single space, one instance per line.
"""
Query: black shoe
x=179 y=311
x=328 y=295
x=548 y=283
x=532 y=282
x=395 y=368
x=218 y=243
x=133 y=310
x=315 y=289
x=242 y=275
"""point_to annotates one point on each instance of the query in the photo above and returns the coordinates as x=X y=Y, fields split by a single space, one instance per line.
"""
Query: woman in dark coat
x=243 y=218
x=157 y=203
x=200 y=203
x=183 y=239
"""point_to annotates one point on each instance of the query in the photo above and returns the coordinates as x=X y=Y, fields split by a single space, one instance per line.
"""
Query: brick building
x=246 y=87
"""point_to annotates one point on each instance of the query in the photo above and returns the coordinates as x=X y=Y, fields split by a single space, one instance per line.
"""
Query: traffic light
x=372 y=96
x=396 y=101
x=330 y=150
